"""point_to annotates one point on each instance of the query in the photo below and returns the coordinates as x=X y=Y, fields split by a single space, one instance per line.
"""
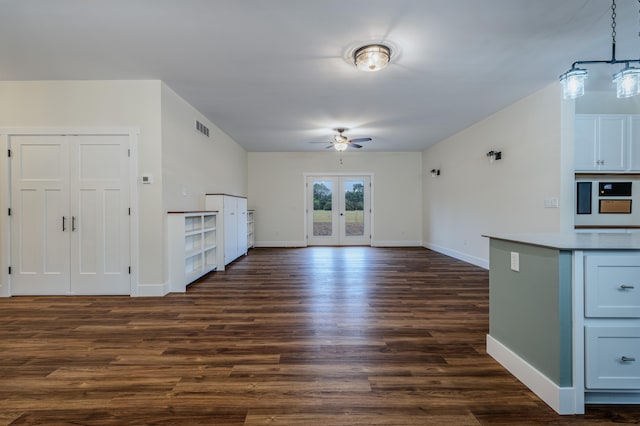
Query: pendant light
x=627 y=80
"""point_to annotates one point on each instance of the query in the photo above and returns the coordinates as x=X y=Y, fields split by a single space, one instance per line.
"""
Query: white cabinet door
x=634 y=143
x=612 y=286
x=586 y=143
x=40 y=219
x=612 y=141
x=70 y=223
x=612 y=358
x=230 y=229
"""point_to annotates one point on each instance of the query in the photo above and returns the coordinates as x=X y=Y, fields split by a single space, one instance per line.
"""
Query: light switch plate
x=515 y=261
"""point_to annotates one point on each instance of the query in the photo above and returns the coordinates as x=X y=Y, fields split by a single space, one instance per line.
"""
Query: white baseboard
x=561 y=399
x=280 y=244
x=482 y=263
x=151 y=290
x=304 y=244
x=396 y=244
x=612 y=398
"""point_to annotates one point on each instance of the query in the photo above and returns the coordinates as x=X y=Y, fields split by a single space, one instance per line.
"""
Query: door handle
x=64 y=219
x=73 y=223
x=341 y=214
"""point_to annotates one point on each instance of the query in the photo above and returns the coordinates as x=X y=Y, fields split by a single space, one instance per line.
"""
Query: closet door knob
x=64 y=219
x=73 y=223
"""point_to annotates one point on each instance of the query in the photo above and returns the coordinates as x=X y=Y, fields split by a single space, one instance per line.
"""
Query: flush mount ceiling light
x=627 y=80
x=372 y=57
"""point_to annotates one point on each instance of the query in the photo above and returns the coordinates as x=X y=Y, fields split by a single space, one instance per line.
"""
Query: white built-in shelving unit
x=250 y=228
x=193 y=247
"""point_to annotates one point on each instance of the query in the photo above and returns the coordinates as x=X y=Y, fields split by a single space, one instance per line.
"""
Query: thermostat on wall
x=146 y=178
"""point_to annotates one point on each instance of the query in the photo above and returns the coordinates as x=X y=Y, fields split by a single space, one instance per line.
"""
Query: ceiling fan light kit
x=340 y=142
x=372 y=57
x=627 y=80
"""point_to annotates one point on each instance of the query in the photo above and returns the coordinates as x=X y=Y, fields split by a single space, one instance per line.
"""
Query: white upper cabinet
x=602 y=142
x=634 y=142
x=586 y=143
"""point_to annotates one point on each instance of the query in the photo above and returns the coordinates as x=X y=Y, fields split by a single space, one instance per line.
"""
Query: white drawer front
x=612 y=357
x=612 y=286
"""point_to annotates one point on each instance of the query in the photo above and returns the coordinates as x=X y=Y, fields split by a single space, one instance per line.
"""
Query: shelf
x=192 y=253
x=209 y=221
x=192 y=223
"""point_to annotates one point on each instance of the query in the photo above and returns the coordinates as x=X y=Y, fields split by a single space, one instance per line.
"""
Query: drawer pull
x=626 y=287
x=627 y=359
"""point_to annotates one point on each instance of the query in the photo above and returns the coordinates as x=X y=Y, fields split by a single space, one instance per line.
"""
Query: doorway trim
x=305 y=210
x=5 y=193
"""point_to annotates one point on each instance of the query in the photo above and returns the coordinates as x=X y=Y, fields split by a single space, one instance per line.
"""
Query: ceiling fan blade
x=355 y=145
x=330 y=146
x=320 y=142
x=360 y=140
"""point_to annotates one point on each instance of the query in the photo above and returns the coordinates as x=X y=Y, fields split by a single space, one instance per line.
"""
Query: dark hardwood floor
x=316 y=336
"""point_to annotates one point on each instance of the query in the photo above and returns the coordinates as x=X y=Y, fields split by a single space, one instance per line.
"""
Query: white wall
x=277 y=192
x=193 y=164
x=86 y=104
x=473 y=197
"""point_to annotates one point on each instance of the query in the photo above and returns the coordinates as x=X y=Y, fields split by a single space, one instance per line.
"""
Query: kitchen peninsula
x=565 y=315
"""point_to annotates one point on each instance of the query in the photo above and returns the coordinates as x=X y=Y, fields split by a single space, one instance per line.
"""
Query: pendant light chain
x=613 y=22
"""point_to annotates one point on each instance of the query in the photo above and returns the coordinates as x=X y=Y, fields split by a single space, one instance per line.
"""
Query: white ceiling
x=273 y=73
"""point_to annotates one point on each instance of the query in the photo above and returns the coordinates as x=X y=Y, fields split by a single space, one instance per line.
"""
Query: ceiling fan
x=341 y=142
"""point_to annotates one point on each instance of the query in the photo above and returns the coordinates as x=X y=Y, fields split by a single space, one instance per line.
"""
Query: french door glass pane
x=354 y=207
x=322 y=207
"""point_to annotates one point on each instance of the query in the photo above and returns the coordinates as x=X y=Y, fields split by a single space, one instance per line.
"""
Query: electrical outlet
x=515 y=261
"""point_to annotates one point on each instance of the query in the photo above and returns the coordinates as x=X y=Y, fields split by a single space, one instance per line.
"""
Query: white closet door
x=39 y=210
x=70 y=215
x=100 y=256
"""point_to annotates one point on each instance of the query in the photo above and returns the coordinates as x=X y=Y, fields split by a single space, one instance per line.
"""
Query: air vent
x=202 y=128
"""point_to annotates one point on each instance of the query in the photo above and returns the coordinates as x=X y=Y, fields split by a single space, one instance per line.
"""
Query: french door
x=339 y=210
x=69 y=215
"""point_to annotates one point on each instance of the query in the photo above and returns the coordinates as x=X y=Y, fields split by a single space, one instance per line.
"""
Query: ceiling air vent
x=202 y=128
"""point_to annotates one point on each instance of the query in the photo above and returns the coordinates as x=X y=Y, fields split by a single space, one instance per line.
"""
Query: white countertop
x=577 y=240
